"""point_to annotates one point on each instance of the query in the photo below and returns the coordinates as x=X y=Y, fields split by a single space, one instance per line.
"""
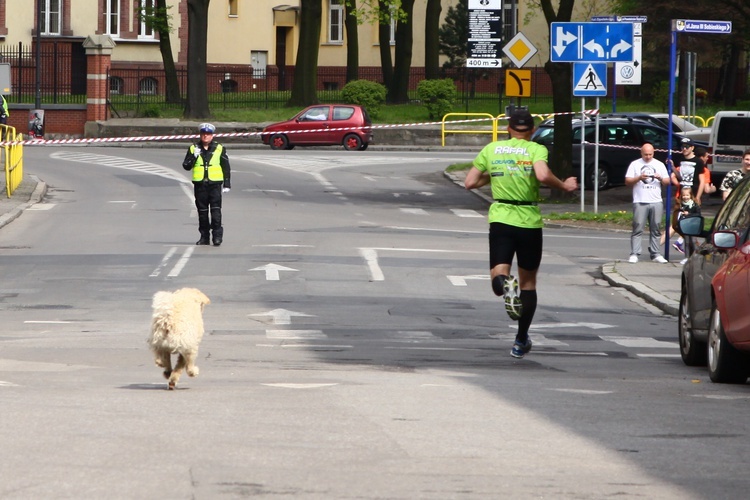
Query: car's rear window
x=342 y=113
x=734 y=130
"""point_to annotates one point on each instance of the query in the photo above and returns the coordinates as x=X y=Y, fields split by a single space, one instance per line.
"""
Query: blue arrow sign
x=693 y=26
x=590 y=79
x=591 y=42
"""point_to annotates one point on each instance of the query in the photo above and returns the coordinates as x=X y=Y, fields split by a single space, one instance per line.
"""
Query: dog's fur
x=177 y=328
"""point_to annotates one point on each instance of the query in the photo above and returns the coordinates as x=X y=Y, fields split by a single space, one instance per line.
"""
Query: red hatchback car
x=348 y=125
x=714 y=322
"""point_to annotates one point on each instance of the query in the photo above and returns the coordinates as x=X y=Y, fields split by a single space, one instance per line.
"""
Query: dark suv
x=620 y=141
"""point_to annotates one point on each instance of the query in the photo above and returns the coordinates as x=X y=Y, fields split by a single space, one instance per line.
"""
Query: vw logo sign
x=627 y=71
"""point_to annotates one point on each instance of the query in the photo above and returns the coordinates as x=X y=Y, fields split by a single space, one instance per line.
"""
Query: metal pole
x=672 y=68
x=38 y=98
x=583 y=151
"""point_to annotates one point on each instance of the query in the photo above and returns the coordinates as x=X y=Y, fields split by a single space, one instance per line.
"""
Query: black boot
x=203 y=241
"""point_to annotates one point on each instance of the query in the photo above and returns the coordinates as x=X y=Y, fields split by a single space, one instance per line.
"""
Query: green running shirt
x=510 y=164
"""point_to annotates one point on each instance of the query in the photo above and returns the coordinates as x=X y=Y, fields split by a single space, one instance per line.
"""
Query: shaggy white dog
x=177 y=328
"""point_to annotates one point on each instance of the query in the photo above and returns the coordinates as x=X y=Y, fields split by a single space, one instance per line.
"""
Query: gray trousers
x=642 y=213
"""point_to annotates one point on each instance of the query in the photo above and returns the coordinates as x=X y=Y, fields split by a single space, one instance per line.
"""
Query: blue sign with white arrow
x=591 y=42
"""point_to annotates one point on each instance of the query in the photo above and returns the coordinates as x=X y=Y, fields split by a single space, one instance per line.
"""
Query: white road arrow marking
x=272 y=271
x=461 y=280
x=281 y=316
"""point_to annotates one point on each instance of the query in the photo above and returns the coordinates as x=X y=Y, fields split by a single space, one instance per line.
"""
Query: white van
x=730 y=137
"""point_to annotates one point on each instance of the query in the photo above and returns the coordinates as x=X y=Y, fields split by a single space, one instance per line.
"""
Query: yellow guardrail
x=691 y=119
x=492 y=131
x=12 y=158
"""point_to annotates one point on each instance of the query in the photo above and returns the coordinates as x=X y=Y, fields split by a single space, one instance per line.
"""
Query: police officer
x=209 y=163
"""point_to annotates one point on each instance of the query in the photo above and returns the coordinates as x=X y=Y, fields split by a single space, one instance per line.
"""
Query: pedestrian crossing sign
x=590 y=79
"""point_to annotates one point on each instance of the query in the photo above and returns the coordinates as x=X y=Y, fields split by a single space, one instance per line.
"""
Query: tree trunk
x=352 y=42
x=384 y=42
x=398 y=92
x=432 y=40
x=197 y=88
x=561 y=160
x=730 y=98
x=172 y=94
x=305 y=84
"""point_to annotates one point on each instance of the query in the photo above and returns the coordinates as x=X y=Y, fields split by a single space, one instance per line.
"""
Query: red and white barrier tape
x=101 y=140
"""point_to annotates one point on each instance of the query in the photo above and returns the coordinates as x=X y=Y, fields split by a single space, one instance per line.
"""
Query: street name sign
x=693 y=26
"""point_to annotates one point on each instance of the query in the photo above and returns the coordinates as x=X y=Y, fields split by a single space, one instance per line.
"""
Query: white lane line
x=639 y=342
x=295 y=334
x=583 y=391
x=156 y=272
x=181 y=263
x=414 y=211
x=461 y=280
x=371 y=257
x=42 y=206
x=460 y=212
x=658 y=355
x=40 y=322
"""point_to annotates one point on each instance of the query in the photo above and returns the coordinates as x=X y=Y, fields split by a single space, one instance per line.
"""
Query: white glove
x=224 y=190
x=197 y=152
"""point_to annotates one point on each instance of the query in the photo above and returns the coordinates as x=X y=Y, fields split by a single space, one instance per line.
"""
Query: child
x=687 y=206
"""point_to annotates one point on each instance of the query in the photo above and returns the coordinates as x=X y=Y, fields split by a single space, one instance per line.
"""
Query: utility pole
x=38 y=99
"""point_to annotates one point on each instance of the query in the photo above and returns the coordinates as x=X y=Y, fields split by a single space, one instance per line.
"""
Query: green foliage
x=660 y=95
x=369 y=94
x=152 y=111
x=437 y=96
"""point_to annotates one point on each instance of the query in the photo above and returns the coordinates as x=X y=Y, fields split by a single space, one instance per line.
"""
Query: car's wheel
x=726 y=364
x=603 y=178
x=279 y=141
x=363 y=146
x=692 y=351
x=352 y=142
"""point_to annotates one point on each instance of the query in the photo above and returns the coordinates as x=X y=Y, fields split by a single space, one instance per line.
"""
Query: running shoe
x=679 y=246
x=520 y=349
x=659 y=260
x=512 y=299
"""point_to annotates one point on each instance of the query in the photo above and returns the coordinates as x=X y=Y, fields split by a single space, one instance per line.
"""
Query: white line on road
x=156 y=272
x=181 y=263
x=460 y=212
x=295 y=334
x=640 y=342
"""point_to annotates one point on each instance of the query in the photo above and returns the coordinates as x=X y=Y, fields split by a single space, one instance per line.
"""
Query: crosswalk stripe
x=466 y=213
x=642 y=342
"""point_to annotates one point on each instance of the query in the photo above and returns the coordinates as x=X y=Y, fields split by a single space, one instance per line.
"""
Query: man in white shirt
x=647 y=176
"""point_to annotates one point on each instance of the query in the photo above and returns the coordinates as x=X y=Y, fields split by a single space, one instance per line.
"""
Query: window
x=233 y=8
x=336 y=21
x=112 y=18
x=51 y=17
x=342 y=113
x=144 y=28
x=116 y=85
x=148 y=86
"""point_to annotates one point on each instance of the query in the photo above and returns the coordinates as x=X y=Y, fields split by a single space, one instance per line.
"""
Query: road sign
x=591 y=42
x=619 y=19
x=629 y=73
x=692 y=26
x=519 y=50
x=485 y=34
x=590 y=79
x=518 y=83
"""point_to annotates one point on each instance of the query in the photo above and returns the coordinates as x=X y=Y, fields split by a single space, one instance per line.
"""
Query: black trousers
x=208 y=201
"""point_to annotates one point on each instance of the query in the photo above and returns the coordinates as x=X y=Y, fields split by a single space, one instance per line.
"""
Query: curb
x=36 y=196
x=614 y=278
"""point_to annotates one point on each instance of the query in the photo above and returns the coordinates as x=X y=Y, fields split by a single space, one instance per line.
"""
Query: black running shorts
x=507 y=241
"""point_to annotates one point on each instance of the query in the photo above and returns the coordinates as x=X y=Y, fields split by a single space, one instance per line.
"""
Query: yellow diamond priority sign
x=519 y=50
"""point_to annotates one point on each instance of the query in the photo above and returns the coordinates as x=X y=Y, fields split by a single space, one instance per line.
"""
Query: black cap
x=521 y=120
x=687 y=142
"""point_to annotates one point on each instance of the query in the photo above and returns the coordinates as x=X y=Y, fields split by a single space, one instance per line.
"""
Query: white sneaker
x=660 y=260
x=633 y=259
x=683 y=261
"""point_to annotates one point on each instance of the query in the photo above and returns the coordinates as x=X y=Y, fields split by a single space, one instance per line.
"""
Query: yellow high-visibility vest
x=215 y=173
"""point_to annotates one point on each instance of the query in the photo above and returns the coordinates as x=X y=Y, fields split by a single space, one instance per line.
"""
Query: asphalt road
x=353 y=347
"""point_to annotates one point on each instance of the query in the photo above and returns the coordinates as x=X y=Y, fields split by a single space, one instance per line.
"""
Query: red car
x=714 y=323
x=322 y=125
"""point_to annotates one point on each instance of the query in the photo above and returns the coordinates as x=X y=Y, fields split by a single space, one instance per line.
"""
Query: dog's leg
x=176 y=372
x=164 y=359
x=192 y=370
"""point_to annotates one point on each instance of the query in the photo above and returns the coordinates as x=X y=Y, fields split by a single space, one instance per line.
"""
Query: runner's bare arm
x=476 y=178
